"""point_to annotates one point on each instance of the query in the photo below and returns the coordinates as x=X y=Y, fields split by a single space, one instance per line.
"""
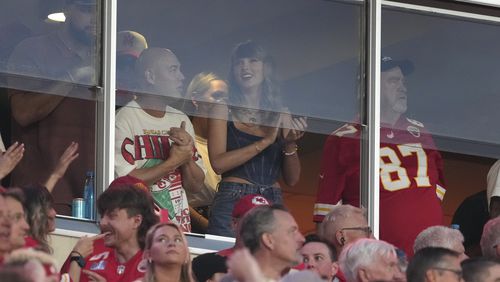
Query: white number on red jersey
x=100 y=256
x=390 y=164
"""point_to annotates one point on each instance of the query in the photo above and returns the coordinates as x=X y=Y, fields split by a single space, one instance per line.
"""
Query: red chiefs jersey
x=411 y=179
x=104 y=262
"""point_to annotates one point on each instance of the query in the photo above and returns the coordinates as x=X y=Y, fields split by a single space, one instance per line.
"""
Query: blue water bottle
x=88 y=195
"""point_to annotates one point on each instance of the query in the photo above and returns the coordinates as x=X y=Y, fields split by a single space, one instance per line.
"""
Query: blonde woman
x=167 y=255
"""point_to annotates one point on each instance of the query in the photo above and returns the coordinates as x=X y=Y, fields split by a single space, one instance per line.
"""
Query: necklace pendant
x=121 y=269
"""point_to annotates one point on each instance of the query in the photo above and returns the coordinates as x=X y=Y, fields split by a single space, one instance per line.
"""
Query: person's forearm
x=51 y=182
x=151 y=175
x=226 y=161
x=74 y=271
x=192 y=177
x=291 y=164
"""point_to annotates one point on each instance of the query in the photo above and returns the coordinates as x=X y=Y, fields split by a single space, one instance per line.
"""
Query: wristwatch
x=79 y=260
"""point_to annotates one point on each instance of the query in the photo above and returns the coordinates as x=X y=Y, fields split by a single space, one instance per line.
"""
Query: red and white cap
x=247 y=203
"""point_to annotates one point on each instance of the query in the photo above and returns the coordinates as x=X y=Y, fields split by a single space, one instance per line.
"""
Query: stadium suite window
x=317 y=72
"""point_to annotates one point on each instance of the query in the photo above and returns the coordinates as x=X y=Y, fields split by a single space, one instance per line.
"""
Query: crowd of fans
x=135 y=245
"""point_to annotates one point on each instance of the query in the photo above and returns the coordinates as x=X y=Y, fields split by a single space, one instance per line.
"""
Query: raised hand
x=271 y=132
x=85 y=245
x=180 y=136
x=10 y=158
x=182 y=148
x=69 y=155
x=293 y=127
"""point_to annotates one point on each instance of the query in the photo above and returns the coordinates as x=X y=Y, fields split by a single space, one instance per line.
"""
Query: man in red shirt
x=411 y=173
x=5 y=227
x=127 y=213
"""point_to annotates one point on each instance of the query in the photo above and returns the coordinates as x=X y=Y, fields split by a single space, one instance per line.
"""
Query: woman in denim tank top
x=251 y=140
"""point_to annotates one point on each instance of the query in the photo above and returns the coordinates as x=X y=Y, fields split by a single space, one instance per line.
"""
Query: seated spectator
x=38 y=265
x=4 y=228
x=434 y=264
x=370 y=260
x=244 y=268
x=343 y=225
x=273 y=238
x=441 y=236
x=40 y=215
x=167 y=254
x=319 y=256
x=481 y=270
x=491 y=239
x=116 y=254
x=205 y=266
x=14 y=200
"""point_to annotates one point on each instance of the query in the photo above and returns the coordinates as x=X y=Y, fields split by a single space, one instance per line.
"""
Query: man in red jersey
x=115 y=255
x=411 y=174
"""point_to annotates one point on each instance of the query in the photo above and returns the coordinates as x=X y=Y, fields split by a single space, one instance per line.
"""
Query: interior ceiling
x=302 y=35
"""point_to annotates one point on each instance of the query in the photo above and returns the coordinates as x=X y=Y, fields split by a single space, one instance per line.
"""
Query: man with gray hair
x=491 y=239
x=344 y=224
x=370 y=260
x=273 y=238
x=441 y=236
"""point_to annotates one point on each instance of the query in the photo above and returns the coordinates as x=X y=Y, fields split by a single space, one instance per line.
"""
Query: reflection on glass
x=53 y=112
x=453 y=94
x=455 y=89
x=411 y=171
x=314 y=75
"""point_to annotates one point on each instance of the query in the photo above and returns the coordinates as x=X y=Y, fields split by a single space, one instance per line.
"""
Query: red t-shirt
x=104 y=262
x=411 y=179
x=30 y=242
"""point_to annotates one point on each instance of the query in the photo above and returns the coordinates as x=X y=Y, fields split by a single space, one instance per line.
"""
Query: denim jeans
x=227 y=196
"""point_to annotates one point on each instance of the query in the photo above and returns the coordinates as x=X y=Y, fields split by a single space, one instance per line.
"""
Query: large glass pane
x=48 y=69
x=302 y=58
x=439 y=94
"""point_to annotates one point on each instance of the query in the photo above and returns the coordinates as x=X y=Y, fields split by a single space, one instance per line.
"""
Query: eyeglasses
x=457 y=272
x=16 y=217
x=366 y=229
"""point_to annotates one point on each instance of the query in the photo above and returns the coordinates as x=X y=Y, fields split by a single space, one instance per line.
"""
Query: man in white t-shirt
x=154 y=142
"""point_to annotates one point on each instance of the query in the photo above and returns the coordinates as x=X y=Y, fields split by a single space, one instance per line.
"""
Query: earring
x=150 y=261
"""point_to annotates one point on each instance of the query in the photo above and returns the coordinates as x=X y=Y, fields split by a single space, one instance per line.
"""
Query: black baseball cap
x=388 y=63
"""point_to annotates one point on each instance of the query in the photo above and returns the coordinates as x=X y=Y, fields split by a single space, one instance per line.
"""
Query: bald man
x=155 y=142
